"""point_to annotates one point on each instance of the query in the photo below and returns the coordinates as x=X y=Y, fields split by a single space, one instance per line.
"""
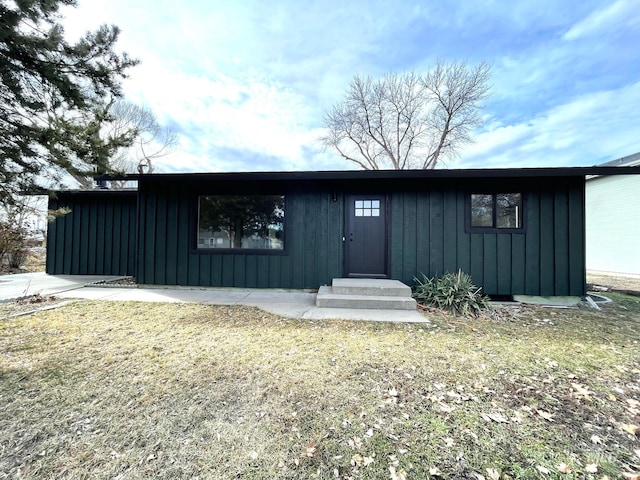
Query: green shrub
x=454 y=292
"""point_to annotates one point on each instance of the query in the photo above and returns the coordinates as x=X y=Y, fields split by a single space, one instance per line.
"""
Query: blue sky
x=245 y=84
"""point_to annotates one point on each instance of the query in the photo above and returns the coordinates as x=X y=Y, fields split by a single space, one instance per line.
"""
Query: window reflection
x=497 y=210
x=241 y=222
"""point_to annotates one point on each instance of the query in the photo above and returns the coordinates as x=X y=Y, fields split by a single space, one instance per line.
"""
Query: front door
x=366 y=236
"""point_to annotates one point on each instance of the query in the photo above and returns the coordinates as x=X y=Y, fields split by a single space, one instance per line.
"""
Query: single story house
x=613 y=220
x=515 y=231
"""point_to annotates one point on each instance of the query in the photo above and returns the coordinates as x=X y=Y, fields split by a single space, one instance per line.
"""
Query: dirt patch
x=118 y=282
x=29 y=304
x=605 y=282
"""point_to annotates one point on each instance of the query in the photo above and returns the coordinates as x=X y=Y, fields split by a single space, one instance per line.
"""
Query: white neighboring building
x=613 y=220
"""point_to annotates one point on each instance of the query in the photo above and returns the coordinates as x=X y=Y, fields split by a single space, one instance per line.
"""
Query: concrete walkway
x=287 y=303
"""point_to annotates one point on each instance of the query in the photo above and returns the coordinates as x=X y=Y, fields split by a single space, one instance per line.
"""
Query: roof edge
x=385 y=174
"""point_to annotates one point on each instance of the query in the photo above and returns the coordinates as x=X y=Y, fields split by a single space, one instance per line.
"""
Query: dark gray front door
x=366 y=236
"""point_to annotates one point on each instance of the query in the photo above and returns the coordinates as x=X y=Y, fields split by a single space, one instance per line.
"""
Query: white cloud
x=581 y=132
x=249 y=80
x=607 y=20
x=222 y=113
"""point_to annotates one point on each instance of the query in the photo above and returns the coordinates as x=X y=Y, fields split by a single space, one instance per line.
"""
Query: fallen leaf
x=397 y=475
x=444 y=408
x=309 y=451
x=546 y=415
x=466 y=431
x=542 y=469
x=355 y=442
x=497 y=417
x=366 y=461
x=631 y=476
x=632 y=429
x=449 y=442
x=563 y=468
x=494 y=473
x=596 y=439
x=581 y=391
x=435 y=471
x=356 y=460
x=591 y=468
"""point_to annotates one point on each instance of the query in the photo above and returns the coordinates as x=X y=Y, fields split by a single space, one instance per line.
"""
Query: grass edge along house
x=515 y=231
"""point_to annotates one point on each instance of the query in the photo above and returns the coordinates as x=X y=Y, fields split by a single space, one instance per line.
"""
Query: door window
x=367 y=208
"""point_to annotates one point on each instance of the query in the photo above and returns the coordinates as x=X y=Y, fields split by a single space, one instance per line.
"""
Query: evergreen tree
x=52 y=97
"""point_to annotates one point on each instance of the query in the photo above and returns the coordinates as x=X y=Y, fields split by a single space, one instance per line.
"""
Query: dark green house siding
x=426 y=225
x=428 y=235
x=313 y=245
x=97 y=237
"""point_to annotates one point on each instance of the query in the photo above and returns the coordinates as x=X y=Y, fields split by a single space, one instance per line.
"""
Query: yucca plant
x=454 y=292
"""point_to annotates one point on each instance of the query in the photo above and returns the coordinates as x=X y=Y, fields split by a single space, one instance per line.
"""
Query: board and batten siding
x=428 y=235
x=96 y=237
x=313 y=253
x=613 y=224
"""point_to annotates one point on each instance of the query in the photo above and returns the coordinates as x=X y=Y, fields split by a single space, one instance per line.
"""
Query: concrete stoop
x=366 y=293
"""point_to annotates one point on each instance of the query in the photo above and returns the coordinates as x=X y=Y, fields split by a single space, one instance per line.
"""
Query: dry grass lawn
x=133 y=390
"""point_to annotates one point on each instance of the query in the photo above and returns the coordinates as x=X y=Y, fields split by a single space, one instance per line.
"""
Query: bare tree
x=149 y=141
x=408 y=120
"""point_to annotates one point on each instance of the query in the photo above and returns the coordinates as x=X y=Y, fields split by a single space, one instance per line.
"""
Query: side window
x=253 y=222
x=495 y=212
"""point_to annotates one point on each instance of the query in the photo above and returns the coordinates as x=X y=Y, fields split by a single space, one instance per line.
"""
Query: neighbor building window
x=500 y=211
x=241 y=222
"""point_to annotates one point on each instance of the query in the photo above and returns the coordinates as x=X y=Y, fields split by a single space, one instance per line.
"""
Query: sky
x=245 y=83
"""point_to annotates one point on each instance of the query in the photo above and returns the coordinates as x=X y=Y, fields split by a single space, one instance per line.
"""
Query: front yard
x=133 y=390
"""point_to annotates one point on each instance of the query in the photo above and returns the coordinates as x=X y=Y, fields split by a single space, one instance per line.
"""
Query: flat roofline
x=96 y=191
x=385 y=174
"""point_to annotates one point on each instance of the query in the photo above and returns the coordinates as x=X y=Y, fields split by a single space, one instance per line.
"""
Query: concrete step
x=370 y=287
x=366 y=294
x=326 y=298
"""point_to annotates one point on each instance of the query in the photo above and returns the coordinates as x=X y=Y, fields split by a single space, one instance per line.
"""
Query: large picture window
x=241 y=222
x=500 y=211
